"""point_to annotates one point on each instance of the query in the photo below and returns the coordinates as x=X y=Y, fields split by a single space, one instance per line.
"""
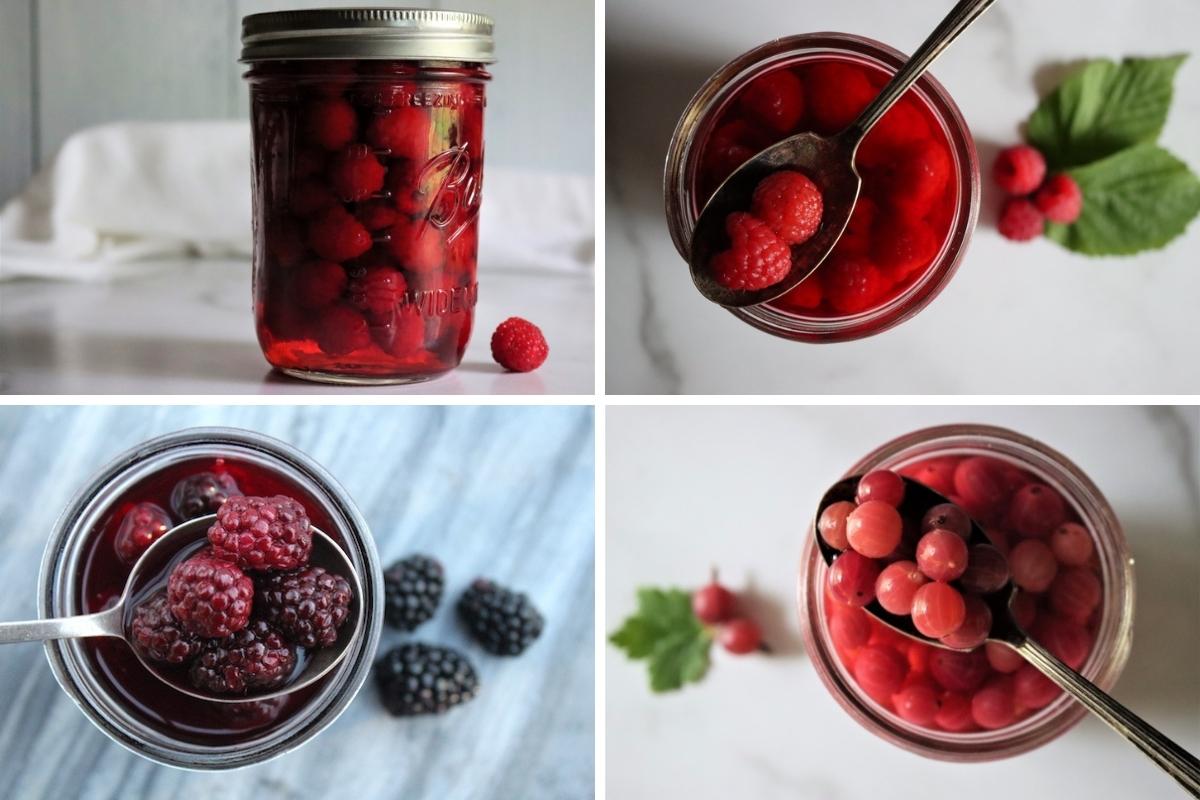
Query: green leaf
x=1103 y=108
x=1138 y=199
x=665 y=631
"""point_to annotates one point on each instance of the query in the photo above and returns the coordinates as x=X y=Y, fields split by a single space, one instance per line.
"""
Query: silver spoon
x=170 y=547
x=1173 y=759
x=827 y=160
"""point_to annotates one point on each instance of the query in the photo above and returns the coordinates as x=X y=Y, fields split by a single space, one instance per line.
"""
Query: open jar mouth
x=696 y=124
x=1113 y=638
x=60 y=593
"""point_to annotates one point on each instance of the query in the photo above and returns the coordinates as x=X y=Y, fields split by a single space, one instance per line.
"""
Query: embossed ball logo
x=456 y=198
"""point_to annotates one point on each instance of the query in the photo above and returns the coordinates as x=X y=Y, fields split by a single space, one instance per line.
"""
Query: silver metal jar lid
x=410 y=34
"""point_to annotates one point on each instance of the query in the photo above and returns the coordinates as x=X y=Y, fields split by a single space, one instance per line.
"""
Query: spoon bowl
x=164 y=553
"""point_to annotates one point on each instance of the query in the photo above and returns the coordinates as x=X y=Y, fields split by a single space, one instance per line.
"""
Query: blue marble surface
x=506 y=492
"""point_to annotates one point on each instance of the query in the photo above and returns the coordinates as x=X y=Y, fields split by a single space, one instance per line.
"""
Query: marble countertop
x=188 y=329
x=1016 y=319
x=505 y=492
x=765 y=726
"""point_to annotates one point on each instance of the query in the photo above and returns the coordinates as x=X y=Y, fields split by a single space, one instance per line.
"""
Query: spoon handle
x=957 y=21
x=103 y=623
x=1173 y=759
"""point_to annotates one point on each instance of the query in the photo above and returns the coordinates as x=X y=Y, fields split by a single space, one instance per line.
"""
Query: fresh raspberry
x=307 y=606
x=341 y=329
x=337 y=236
x=378 y=291
x=355 y=173
x=330 y=123
x=730 y=146
x=519 y=345
x=256 y=657
x=755 y=259
x=417 y=245
x=403 y=132
x=790 y=204
x=916 y=177
x=1060 y=199
x=775 y=100
x=262 y=533
x=159 y=636
x=902 y=125
x=1019 y=170
x=1020 y=220
x=210 y=596
x=852 y=283
x=805 y=296
x=319 y=283
x=902 y=247
x=202 y=494
x=377 y=215
x=310 y=196
x=402 y=335
x=140 y=527
x=836 y=94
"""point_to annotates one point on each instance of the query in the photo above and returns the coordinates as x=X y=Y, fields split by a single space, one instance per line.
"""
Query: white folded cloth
x=117 y=196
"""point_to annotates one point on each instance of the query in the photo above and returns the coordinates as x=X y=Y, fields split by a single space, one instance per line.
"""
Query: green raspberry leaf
x=1103 y=108
x=1139 y=199
x=665 y=631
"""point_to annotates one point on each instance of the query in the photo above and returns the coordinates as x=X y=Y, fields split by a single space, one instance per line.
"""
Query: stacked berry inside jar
x=925 y=568
x=909 y=189
x=368 y=180
x=236 y=614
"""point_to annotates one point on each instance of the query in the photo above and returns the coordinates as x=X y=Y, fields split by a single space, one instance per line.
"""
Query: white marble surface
x=189 y=330
x=764 y=726
x=1016 y=319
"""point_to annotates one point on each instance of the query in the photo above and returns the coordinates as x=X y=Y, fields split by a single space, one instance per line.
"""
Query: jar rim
x=678 y=191
x=1113 y=638
x=58 y=595
x=414 y=34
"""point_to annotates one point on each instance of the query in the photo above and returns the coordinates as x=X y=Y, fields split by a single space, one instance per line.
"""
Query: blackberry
x=256 y=657
x=417 y=678
x=412 y=590
x=210 y=597
x=262 y=533
x=202 y=494
x=503 y=621
x=159 y=636
x=308 y=606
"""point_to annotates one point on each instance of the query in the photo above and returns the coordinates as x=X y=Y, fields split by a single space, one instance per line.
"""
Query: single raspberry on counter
x=341 y=329
x=202 y=494
x=378 y=291
x=852 y=283
x=355 y=173
x=1019 y=170
x=262 y=533
x=319 y=283
x=257 y=657
x=775 y=100
x=1020 y=220
x=337 y=236
x=1060 y=199
x=310 y=196
x=903 y=247
x=417 y=245
x=756 y=257
x=307 y=606
x=377 y=215
x=159 y=636
x=403 y=132
x=331 y=124
x=836 y=95
x=790 y=204
x=210 y=596
x=140 y=527
x=519 y=345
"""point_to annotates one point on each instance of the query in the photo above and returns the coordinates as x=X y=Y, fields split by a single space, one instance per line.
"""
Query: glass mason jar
x=368 y=170
x=1113 y=634
x=688 y=181
x=80 y=574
